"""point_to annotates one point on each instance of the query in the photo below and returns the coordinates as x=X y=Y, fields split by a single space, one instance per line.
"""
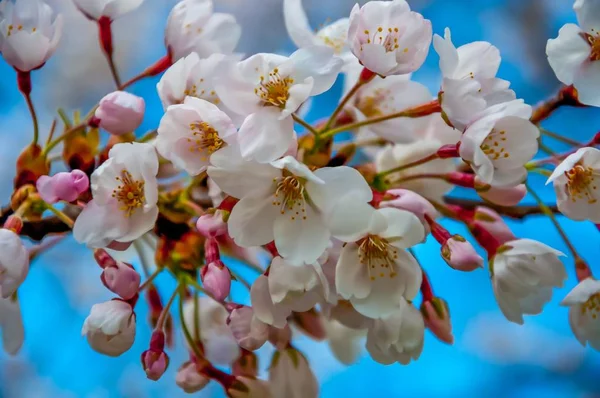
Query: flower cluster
x=234 y=171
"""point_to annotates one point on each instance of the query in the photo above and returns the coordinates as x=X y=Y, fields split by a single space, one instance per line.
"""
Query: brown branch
x=517 y=212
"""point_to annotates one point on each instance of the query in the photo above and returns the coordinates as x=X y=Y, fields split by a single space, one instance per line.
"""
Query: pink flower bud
x=189 y=379
x=211 y=250
x=212 y=225
x=120 y=112
x=460 y=254
x=503 y=196
x=155 y=361
x=493 y=223
x=250 y=333
x=62 y=186
x=216 y=280
x=122 y=279
x=405 y=199
x=437 y=319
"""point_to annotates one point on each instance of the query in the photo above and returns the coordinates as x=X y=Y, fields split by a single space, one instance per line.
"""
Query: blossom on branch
x=584 y=303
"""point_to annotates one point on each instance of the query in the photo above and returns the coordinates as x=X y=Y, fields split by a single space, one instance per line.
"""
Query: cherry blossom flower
x=493 y=223
x=14 y=262
x=284 y=201
x=268 y=88
x=344 y=342
x=287 y=288
x=524 y=272
x=584 y=304
x=190 y=379
x=393 y=94
x=113 y=9
x=498 y=145
x=397 y=338
x=125 y=193
x=212 y=225
x=28 y=33
x=110 y=327
x=460 y=254
x=120 y=112
x=11 y=325
x=220 y=346
x=290 y=375
x=393 y=156
x=576 y=181
x=250 y=332
x=374 y=271
x=191 y=132
x=436 y=315
x=62 y=186
x=334 y=34
x=469 y=82
x=573 y=54
x=194 y=76
x=122 y=279
x=193 y=27
x=388 y=38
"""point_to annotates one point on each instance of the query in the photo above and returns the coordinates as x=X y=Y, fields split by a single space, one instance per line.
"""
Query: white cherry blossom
x=334 y=34
x=113 y=9
x=524 y=272
x=388 y=38
x=191 y=132
x=125 y=194
x=28 y=33
x=469 y=82
x=14 y=262
x=584 y=305
x=267 y=89
x=248 y=330
x=220 y=346
x=284 y=201
x=393 y=156
x=500 y=143
x=398 y=337
x=576 y=183
x=374 y=270
x=573 y=55
x=11 y=325
x=344 y=342
x=110 y=327
x=290 y=375
x=192 y=26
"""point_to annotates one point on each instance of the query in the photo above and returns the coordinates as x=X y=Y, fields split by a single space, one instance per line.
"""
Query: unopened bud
x=437 y=319
x=510 y=196
x=122 y=279
x=154 y=360
x=212 y=225
x=460 y=254
x=405 y=199
x=120 y=112
x=62 y=186
x=493 y=223
x=216 y=279
x=189 y=379
x=250 y=332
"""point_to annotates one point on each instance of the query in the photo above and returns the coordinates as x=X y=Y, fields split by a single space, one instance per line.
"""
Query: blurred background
x=491 y=357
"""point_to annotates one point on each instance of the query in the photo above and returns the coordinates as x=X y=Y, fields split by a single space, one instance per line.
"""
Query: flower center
x=290 y=196
x=274 y=90
x=376 y=104
x=386 y=38
x=11 y=29
x=378 y=255
x=130 y=193
x=592 y=305
x=206 y=139
x=493 y=145
x=594 y=42
x=196 y=90
x=581 y=183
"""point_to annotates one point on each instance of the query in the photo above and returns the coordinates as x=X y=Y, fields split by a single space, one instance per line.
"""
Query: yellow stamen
x=130 y=193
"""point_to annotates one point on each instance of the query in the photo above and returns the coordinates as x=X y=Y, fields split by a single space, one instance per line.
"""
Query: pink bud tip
x=503 y=196
x=405 y=199
x=437 y=319
x=212 y=225
x=487 y=219
x=62 y=186
x=155 y=363
x=121 y=279
x=461 y=255
x=120 y=112
x=217 y=280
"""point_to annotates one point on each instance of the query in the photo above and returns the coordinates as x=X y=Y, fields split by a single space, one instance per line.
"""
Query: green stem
x=188 y=336
x=65 y=118
x=163 y=315
x=548 y=212
x=419 y=162
x=61 y=216
x=304 y=124
x=36 y=127
x=343 y=103
x=61 y=137
x=196 y=317
x=149 y=279
x=559 y=137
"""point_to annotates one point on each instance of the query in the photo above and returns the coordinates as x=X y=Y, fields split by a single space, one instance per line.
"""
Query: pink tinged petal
x=298 y=95
x=139 y=223
x=567 y=53
x=263 y=306
x=297 y=24
x=285 y=278
x=531 y=247
x=588 y=15
x=122 y=280
x=251 y=221
x=510 y=196
x=319 y=63
x=447 y=53
x=45 y=187
x=351 y=275
x=97 y=226
x=350 y=219
x=587 y=83
x=375 y=58
x=263 y=137
x=301 y=237
x=120 y=112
